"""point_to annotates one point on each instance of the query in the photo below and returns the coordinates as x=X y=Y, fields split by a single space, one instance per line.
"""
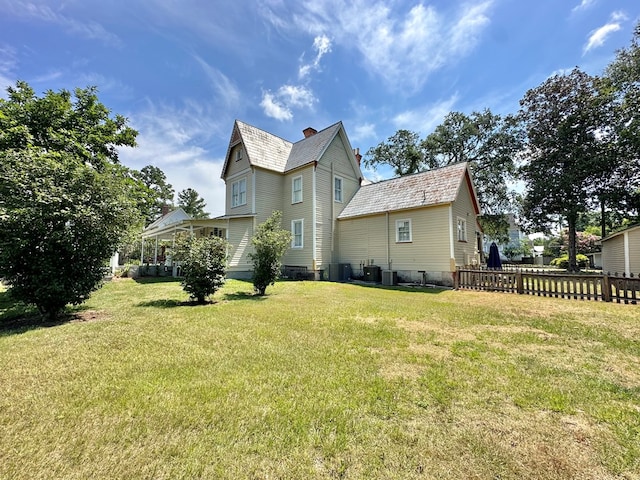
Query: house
x=419 y=225
x=163 y=232
x=621 y=252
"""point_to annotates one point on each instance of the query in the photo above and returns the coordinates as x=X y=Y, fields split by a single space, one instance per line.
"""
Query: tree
x=204 y=265
x=192 y=203
x=564 y=119
x=620 y=192
x=401 y=151
x=64 y=202
x=158 y=192
x=490 y=144
x=270 y=243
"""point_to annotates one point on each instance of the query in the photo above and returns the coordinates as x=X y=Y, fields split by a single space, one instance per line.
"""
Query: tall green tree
x=191 y=202
x=565 y=159
x=157 y=194
x=490 y=144
x=620 y=192
x=401 y=151
x=64 y=198
x=270 y=243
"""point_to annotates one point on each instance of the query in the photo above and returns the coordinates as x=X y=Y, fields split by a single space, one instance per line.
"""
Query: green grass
x=320 y=380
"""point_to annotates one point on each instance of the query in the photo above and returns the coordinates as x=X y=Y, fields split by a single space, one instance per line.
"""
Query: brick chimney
x=309 y=131
x=165 y=209
x=356 y=152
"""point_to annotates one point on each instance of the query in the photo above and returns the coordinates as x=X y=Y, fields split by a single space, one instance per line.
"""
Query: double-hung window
x=239 y=193
x=337 y=189
x=403 y=231
x=462 y=229
x=297 y=227
x=296 y=190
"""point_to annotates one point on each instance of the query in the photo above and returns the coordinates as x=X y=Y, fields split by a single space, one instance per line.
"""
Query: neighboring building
x=418 y=224
x=621 y=252
x=421 y=223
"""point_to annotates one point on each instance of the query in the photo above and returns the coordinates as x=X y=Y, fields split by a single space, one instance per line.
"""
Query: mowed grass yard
x=321 y=380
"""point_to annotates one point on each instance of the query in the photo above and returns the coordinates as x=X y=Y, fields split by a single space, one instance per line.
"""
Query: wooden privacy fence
x=599 y=287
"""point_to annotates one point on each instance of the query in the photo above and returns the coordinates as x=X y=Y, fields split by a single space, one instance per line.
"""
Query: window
x=337 y=189
x=296 y=190
x=239 y=193
x=403 y=231
x=462 y=229
x=239 y=154
x=296 y=233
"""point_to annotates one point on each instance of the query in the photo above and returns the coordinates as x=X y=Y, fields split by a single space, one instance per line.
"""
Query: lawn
x=321 y=380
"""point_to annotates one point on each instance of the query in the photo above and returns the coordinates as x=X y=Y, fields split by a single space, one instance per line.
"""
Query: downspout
x=452 y=252
x=627 y=263
x=333 y=212
x=253 y=191
x=388 y=242
x=155 y=255
x=314 y=216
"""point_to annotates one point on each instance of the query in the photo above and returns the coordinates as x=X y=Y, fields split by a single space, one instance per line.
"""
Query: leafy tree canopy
x=563 y=119
x=191 y=202
x=488 y=142
x=157 y=192
x=64 y=199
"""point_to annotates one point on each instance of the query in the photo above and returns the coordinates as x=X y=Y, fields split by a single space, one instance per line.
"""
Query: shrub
x=270 y=242
x=204 y=265
x=563 y=262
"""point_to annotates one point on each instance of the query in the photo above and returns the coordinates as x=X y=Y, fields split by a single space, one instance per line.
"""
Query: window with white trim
x=403 y=231
x=296 y=189
x=462 y=229
x=239 y=193
x=337 y=189
x=239 y=154
x=297 y=228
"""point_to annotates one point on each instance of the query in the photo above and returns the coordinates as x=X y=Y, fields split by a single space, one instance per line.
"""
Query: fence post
x=519 y=282
x=606 y=288
x=456 y=275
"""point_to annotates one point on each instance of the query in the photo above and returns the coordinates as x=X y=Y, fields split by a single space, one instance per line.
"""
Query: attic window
x=239 y=154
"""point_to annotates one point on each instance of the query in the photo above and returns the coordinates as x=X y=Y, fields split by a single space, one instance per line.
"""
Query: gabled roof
x=271 y=152
x=430 y=188
x=174 y=216
x=620 y=232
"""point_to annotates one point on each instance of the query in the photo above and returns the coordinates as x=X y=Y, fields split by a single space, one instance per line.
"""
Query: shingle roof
x=263 y=148
x=310 y=149
x=269 y=151
x=433 y=187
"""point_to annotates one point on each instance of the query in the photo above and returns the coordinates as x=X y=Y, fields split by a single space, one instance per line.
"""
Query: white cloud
x=424 y=120
x=176 y=140
x=279 y=105
x=362 y=132
x=274 y=108
x=83 y=28
x=227 y=91
x=8 y=64
x=584 y=5
x=403 y=49
x=600 y=35
x=322 y=46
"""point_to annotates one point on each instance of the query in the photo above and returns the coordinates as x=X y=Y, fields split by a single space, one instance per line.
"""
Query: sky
x=182 y=71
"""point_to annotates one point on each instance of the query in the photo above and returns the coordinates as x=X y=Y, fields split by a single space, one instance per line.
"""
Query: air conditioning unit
x=389 y=277
x=372 y=273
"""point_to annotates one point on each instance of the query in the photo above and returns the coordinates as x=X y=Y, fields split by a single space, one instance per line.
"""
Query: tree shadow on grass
x=243 y=296
x=17 y=318
x=165 y=303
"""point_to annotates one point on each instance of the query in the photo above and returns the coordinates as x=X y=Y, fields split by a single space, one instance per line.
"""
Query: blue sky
x=183 y=71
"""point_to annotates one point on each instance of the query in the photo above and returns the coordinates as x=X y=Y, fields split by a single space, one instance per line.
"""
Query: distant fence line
x=604 y=287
